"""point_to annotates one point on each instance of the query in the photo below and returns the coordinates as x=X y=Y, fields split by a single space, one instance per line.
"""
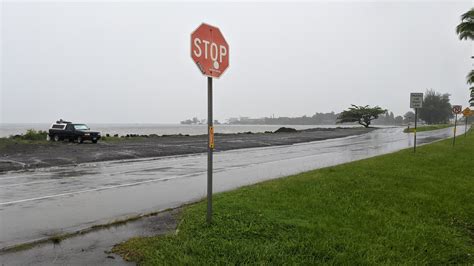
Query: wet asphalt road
x=40 y=203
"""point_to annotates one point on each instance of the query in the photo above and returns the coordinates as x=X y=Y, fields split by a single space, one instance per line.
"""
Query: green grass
x=401 y=208
x=427 y=128
x=30 y=137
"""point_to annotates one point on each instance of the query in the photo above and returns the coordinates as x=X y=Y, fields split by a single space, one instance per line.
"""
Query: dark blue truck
x=64 y=130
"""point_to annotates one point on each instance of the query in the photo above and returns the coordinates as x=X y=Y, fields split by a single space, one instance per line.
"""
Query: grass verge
x=401 y=208
x=427 y=128
x=30 y=137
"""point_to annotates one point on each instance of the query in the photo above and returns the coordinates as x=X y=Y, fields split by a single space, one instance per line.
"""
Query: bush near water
x=32 y=135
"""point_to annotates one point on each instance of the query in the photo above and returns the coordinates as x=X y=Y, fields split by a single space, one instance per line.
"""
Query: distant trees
x=436 y=108
x=316 y=119
x=408 y=117
x=360 y=114
x=193 y=121
x=388 y=119
x=398 y=120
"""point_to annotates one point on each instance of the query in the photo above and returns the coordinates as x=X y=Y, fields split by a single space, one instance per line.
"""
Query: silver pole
x=414 y=135
x=209 y=150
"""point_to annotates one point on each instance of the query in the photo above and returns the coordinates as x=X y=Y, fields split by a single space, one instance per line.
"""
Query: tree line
x=436 y=109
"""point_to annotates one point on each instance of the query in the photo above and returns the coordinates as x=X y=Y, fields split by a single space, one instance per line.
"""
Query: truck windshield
x=80 y=127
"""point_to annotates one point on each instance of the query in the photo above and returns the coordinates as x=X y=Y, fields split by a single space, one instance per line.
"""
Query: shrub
x=32 y=134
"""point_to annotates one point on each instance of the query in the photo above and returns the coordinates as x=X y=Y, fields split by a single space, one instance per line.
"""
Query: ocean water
x=159 y=129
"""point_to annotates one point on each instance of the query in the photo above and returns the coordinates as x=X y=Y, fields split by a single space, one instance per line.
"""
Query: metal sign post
x=465 y=126
x=414 y=135
x=416 y=101
x=455 y=125
x=457 y=109
x=467 y=113
x=210 y=147
x=210 y=52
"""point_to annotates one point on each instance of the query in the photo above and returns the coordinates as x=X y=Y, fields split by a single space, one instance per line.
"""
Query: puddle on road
x=72 y=173
x=94 y=248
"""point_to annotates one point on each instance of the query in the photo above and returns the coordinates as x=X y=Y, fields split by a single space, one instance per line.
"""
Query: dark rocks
x=286 y=130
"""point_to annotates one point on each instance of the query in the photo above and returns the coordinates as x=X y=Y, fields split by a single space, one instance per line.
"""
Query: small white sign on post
x=416 y=100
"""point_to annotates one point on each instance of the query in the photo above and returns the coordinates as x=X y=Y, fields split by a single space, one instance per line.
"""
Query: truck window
x=81 y=127
x=58 y=126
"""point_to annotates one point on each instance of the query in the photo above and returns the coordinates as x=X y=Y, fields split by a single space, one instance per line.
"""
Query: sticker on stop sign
x=209 y=50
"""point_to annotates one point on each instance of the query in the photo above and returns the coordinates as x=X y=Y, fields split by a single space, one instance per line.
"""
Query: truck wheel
x=56 y=138
x=94 y=141
x=80 y=140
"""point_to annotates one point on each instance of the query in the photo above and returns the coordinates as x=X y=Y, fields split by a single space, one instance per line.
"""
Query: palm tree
x=465 y=29
x=470 y=77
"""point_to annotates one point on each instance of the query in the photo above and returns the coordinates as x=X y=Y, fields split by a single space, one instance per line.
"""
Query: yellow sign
x=211 y=137
x=467 y=112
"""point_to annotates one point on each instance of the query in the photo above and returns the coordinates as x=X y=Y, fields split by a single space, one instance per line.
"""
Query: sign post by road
x=210 y=52
x=457 y=109
x=467 y=113
x=416 y=101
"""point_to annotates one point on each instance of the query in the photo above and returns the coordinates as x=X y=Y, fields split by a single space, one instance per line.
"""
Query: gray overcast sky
x=130 y=62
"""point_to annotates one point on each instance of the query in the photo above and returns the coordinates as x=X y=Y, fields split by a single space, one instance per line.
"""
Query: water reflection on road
x=35 y=204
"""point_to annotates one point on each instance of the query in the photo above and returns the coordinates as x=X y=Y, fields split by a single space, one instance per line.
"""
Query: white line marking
x=94 y=189
x=51 y=170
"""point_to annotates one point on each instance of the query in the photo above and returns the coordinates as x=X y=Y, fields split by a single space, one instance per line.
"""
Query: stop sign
x=457 y=109
x=209 y=50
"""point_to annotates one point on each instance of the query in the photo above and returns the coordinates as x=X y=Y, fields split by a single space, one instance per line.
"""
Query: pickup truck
x=64 y=130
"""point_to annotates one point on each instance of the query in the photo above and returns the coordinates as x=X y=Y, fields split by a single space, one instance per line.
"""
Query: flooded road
x=44 y=202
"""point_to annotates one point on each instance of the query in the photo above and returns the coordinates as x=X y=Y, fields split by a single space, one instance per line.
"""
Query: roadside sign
x=457 y=109
x=467 y=112
x=416 y=100
x=209 y=50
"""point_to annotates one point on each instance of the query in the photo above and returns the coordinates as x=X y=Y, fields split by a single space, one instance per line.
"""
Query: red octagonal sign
x=209 y=50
